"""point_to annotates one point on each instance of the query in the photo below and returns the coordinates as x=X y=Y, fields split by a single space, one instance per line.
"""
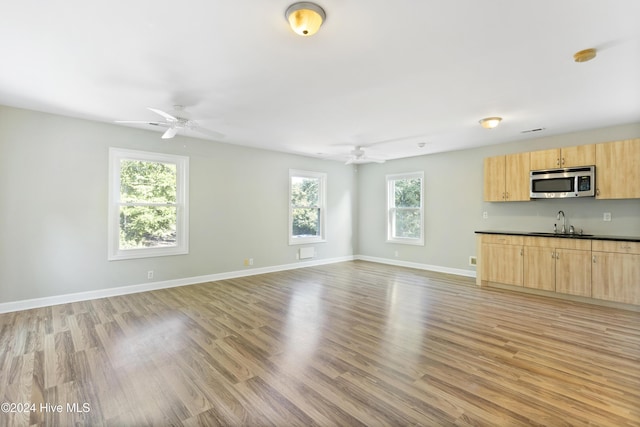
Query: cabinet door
x=494 y=176
x=539 y=268
x=616 y=277
x=582 y=155
x=545 y=159
x=618 y=170
x=502 y=264
x=573 y=272
x=517 y=177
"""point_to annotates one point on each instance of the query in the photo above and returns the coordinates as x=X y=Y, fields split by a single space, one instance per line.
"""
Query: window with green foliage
x=306 y=206
x=405 y=208
x=147 y=209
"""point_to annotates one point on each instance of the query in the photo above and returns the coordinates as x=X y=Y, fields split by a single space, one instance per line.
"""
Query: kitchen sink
x=547 y=234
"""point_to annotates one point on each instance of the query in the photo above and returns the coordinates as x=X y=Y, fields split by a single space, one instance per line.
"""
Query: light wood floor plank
x=346 y=344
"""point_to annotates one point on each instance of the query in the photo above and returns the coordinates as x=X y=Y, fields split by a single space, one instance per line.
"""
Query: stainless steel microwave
x=563 y=183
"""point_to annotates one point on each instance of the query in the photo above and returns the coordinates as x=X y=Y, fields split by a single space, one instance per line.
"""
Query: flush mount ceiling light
x=490 y=122
x=305 y=18
x=584 y=55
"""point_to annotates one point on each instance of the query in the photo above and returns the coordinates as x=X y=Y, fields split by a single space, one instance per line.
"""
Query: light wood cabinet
x=616 y=271
x=506 y=178
x=581 y=155
x=502 y=259
x=539 y=268
x=573 y=272
x=618 y=170
x=599 y=269
x=559 y=265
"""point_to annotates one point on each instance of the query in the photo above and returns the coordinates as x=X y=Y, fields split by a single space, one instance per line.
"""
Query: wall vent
x=532 y=130
x=306 y=253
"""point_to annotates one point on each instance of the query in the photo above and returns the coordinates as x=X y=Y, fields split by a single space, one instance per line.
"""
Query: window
x=148 y=209
x=307 y=211
x=405 y=208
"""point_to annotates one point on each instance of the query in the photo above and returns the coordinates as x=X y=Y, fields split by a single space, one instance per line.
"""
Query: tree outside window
x=405 y=208
x=148 y=209
x=306 y=206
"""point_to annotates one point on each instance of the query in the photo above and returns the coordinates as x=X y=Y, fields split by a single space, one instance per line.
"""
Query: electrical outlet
x=150 y=274
x=250 y=261
x=485 y=215
x=606 y=216
x=397 y=254
x=473 y=261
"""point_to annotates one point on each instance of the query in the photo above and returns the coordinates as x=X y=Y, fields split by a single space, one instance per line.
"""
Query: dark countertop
x=563 y=236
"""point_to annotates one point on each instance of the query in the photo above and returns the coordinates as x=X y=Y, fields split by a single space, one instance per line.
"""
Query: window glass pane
x=407 y=223
x=147 y=226
x=304 y=191
x=407 y=193
x=306 y=222
x=147 y=182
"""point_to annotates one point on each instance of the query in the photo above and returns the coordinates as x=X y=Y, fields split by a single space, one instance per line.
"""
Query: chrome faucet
x=563 y=230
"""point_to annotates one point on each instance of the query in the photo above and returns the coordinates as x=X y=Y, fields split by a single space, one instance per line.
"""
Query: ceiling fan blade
x=163 y=114
x=141 y=122
x=170 y=133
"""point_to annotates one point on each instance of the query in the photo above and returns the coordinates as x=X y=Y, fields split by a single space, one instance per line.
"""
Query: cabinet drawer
x=558 y=243
x=616 y=246
x=502 y=239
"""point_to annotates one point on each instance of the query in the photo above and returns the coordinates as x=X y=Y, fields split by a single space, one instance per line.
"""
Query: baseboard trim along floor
x=144 y=287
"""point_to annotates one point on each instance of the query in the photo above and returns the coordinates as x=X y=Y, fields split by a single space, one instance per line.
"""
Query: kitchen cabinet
x=618 y=169
x=502 y=259
x=616 y=271
x=581 y=155
x=506 y=178
x=557 y=264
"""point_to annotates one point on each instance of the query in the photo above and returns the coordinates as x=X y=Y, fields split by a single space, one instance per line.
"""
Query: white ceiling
x=382 y=74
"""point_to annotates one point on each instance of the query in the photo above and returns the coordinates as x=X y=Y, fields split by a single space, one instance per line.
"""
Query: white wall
x=53 y=197
x=454 y=205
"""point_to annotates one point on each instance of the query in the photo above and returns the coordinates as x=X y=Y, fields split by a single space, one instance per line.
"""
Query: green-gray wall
x=454 y=204
x=53 y=221
x=53 y=204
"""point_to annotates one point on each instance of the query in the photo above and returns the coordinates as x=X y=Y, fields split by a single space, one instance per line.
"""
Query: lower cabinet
x=600 y=269
x=616 y=271
x=502 y=259
x=558 y=265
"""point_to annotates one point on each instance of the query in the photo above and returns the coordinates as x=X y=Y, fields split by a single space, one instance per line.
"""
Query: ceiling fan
x=358 y=157
x=178 y=119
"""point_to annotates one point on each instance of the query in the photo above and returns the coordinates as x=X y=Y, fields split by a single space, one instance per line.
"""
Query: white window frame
x=322 y=205
x=391 y=208
x=182 y=204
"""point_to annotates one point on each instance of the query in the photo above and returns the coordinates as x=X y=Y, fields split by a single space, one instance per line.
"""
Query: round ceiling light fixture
x=305 y=18
x=490 y=122
x=584 y=55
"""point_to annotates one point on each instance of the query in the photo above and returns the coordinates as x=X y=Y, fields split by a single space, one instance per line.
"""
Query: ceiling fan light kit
x=490 y=122
x=305 y=18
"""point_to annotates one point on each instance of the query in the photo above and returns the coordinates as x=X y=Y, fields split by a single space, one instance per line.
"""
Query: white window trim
x=182 y=204
x=322 y=196
x=390 y=208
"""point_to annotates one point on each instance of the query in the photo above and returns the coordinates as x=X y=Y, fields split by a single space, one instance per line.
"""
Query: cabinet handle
x=521 y=252
x=558 y=161
x=557 y=255
x=593 y=258
x=507 y=193
x=597 y=191
x=553 y=255
x=563 y=161
x=625 y=247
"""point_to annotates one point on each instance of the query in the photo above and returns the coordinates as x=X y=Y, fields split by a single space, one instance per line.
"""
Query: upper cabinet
x=581 y=155
x=506 y=178
x=618 y=169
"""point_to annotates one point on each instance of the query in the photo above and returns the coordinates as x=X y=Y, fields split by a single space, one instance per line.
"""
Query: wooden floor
x=346 y=344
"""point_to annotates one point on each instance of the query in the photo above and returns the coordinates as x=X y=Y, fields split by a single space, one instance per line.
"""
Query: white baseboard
x=419 y=266
x=132 y=289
